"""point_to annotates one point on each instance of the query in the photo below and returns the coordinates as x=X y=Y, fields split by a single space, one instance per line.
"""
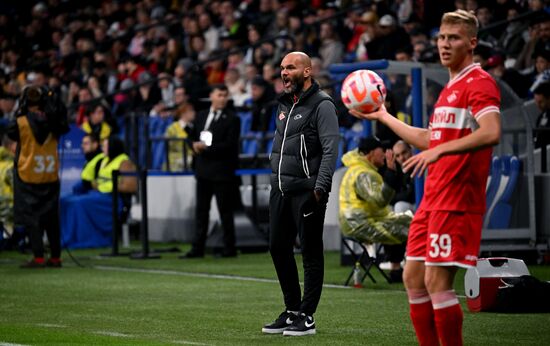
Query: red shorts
x=445 y=238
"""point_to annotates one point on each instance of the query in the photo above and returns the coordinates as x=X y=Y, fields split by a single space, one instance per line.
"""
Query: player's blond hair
x=466 y=18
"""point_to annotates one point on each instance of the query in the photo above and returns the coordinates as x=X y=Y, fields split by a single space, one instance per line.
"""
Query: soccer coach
x=303 y=159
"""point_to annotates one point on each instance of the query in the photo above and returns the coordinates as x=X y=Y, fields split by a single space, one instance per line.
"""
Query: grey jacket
x=305 y=146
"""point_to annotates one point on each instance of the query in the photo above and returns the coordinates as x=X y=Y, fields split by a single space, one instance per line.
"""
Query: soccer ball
x=363 y=90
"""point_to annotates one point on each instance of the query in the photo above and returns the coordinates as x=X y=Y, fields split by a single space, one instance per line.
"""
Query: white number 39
x=440 y=245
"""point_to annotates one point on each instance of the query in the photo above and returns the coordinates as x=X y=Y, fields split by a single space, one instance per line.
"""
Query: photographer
x=40 y=120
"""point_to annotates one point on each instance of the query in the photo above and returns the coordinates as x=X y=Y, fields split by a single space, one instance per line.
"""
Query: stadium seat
x=493 y=182
x=352 y=139
x=269 y=145
x=272 y=124
x=501 y=211
x=341 y=147
x=361 y=256
x=246 y=121
x=157 y=129
x=251 y=143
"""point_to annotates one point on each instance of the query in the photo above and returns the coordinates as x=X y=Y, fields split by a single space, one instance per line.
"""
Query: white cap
x=386 y=20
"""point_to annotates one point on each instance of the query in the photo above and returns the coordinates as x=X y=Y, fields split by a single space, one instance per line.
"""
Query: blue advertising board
x=71 y=159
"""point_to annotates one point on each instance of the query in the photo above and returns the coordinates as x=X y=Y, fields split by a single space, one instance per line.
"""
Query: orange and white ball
x=363 y=90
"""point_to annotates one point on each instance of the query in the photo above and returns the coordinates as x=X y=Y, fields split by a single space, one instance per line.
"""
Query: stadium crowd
x=154 y=48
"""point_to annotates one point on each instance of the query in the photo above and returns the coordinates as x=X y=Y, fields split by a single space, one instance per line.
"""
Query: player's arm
x=488 y=134
x=417 y=137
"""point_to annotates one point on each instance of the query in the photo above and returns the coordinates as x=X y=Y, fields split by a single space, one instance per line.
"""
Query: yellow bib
x=37 y=163
x=105 y=174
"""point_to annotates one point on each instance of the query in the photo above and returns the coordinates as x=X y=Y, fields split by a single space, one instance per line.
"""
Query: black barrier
x=117 y=228
x=144 y=227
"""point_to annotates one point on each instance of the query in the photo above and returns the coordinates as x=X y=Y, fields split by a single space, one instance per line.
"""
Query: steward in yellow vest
x=94 y=155
x=6 y=187
x=40 y=120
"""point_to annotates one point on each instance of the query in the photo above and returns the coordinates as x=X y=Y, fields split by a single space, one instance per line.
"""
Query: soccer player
x=446 y=230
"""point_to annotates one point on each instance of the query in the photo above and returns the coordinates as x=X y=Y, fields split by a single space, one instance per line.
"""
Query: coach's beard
x=296 y=86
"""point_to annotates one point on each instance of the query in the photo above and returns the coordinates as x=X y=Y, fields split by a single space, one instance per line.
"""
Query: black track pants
x=291 y=215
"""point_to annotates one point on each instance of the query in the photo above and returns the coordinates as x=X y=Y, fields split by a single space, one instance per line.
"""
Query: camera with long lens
x=46 y=100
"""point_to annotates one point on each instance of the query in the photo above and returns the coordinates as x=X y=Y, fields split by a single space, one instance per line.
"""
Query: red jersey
x=457 y=182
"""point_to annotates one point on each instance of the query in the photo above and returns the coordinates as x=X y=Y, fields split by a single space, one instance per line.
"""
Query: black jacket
x=220 y=160
x=305 y=146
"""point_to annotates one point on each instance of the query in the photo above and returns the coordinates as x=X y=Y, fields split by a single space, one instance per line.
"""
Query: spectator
x=263 y=104
x=524 y=61
x=148 y=94
x=542 y=99
x=390 y=37
x=400 y=181
x=192 y=78
x=331 y=50
x=166 y=88
x=485 y=18
x=236 y=87
x=211 y=33
x=180 y=96
x=182 y=128
x=365 y=213
x=514 y=37
x=217 y=157
x=7 y=106
x=98 y=122
x=84 y=97
x=542 y=69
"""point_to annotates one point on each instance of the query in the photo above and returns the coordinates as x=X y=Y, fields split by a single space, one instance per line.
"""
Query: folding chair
x=366 y=261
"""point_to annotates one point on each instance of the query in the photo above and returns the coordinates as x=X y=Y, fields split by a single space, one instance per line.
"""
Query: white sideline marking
x=183 y=342
x=201 y=275
x=121 y=335
x=227 y=277
x=50 y=325
x=10 y=344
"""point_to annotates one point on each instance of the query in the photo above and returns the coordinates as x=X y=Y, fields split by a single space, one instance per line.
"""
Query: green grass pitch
x=210 y=301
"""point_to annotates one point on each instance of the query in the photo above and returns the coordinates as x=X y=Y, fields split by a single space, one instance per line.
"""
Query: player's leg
x=453 y=241
x=421 y=311
x=448 y=314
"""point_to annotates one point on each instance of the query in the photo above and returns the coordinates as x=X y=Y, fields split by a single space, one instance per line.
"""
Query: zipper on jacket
x=304 y=158
x=283 y=148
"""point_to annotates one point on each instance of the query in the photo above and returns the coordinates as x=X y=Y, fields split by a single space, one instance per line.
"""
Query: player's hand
x=369 y=116
x=418 y=163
